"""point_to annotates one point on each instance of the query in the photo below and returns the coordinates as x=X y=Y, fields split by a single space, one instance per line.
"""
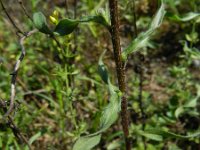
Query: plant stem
x=113 y=4
x=135 y=19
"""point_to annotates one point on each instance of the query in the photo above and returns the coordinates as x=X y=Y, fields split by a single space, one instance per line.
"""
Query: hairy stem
x=113 y=4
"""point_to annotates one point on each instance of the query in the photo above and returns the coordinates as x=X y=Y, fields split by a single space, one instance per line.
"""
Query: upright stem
x=135 y=19
x=113 y=4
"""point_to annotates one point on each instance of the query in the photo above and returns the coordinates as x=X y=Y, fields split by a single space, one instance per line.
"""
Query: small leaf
x=35 y=137
x=98 y=19
x=151 y=136
x=184 y=18
x=102 y=69
x=168 y=134
x=40 y=23
x=179 y=111
x=66 y=26
x=87 y=142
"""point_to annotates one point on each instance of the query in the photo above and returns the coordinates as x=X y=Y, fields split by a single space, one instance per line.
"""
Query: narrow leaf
x=151 y=136
x=35 y=137
x=168 y=134
x=157 y=20
x=87 y=142
x=142 y=40
x=184 y=18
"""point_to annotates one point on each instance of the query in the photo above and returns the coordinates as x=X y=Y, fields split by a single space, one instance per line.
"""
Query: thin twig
x=24 y=9
x=113 y=4
x=141 y=101
x=11 y=20
x=135 y=20
x=15 y=72
x=67 y=7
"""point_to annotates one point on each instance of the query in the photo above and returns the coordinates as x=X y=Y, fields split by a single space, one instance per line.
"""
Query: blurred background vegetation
x=60 y=94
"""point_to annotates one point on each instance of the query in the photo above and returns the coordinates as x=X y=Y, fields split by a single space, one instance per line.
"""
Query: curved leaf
x=40 y=23
x=35 y=137
x=184 y=18
x=168 y=134
x=102 y=69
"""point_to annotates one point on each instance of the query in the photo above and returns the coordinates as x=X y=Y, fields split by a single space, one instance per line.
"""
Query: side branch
x=15 y=72
x=24 y=9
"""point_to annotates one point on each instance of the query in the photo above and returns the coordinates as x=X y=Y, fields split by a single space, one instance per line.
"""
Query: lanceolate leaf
x=151 y=136
x=87 y=142
x=184 y=18
x=167 y=134
x=142 y=40
x=157 y=20
x=66 y=26
x=40 y=23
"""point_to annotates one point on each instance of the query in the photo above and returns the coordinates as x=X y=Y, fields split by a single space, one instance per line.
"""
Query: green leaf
x=98 y=19
x=157 y=20
x=184 y=18
x=142 y=40
x=102 y=69
x=189 y=104
x=35 y=137
x=110 y=113
x=87 y=142
x=66 y=26
x=151 y=136
x=40 y=23
x=168 y=134
x=180 y=110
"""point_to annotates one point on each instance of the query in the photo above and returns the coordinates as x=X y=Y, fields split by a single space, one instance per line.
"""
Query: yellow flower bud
x=53 y=20
x=55 y=14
